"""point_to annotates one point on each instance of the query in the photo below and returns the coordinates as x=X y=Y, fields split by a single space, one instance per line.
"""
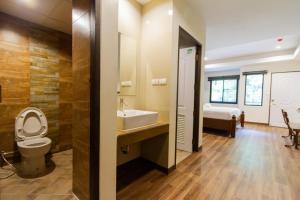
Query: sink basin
x=129 y=119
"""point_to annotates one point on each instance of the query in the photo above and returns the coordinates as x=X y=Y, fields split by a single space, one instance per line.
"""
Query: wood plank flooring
x=253 y=166
x=181 y=155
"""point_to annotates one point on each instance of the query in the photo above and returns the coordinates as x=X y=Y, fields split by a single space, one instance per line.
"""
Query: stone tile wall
x=81 y=106
x=35 y=70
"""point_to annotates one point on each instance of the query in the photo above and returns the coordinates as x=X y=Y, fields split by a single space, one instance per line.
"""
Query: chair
x=287 y=122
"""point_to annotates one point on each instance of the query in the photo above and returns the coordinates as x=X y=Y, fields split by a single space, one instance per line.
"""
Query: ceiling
x=236 y=29
x=55 y=14
x=255 y=47
x=240 y=28
x=143 y=2
x=234 y=22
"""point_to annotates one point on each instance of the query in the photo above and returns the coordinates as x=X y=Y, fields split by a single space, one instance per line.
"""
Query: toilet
x=31 y=127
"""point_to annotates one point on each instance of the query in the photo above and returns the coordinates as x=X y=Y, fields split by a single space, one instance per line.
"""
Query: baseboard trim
x=135 y=169
x=257 y=123
x=163 y=169
x=74 y=195
x=171 y=169
x=199 y=149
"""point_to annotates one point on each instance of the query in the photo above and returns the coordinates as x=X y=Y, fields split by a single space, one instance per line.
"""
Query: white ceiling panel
x=235 y=22
x=257 y=47
x=55 y=14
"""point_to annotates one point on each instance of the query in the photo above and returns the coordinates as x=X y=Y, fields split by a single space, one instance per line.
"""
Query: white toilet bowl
x=33 y=155
x=30 y=128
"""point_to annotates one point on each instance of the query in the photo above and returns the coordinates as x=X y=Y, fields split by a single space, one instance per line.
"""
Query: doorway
x=188 y=96
x=284 y=96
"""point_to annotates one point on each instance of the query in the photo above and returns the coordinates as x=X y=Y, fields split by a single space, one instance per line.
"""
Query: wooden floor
x=253 y=166
x=181 y=155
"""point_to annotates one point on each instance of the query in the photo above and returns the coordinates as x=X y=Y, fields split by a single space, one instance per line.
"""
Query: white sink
x=129 y=119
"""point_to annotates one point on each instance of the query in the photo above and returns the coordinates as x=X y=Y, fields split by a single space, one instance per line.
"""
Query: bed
x=223 y=118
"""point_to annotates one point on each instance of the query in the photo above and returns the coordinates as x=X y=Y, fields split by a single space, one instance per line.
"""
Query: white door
x=285 y=94
x=186 y=82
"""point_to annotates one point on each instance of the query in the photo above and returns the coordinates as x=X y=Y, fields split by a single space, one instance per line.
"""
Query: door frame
x=184 y=40
x=271 y=85
x=94 y=151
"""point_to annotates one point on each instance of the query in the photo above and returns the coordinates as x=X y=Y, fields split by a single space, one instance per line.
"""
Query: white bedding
x=225 y=113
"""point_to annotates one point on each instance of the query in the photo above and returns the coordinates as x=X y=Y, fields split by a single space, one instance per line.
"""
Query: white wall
x=156 y=44
x=159 y=55
x=108 y=96
x=130 y=24
x=257 y=114
x=159 y=59
x=190 y=19
x=260 y=114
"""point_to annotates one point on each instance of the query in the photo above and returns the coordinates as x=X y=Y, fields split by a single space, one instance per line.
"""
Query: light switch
x=159 y=82
x=163 y=81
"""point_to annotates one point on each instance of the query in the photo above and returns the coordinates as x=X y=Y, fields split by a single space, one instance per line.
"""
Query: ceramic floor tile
x=56 y=185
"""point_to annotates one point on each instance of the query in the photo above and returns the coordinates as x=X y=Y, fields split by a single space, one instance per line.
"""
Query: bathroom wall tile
x=7 y=124
x=65 y=135
x=81 y=97
x=14 y=72
x=65 y=69
x=66 y=91
x=81 y=121
x=80 y=7
x=81 y=169
x=65 y=114
x=65 y=49
x=44 y=79
x=7 y=142
x=33 y=64
x=14 y=90
x=11 y=32
x=81 y=60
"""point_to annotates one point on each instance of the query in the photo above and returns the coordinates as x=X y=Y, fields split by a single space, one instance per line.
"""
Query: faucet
x=122 y=104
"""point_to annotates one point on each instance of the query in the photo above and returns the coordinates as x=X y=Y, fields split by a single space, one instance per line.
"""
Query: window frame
x=262 y=89
x=223 y=78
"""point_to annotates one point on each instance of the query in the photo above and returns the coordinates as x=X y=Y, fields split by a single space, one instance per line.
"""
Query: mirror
x=127 y=65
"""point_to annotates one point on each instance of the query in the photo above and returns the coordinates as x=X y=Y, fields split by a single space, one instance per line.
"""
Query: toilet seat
x=31 y=123
x=34 y=143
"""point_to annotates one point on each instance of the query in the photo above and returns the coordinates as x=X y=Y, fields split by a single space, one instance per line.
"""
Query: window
x=254 y=89
x=224 y=89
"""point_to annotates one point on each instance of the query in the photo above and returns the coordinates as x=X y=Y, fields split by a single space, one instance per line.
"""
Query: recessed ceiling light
x=205 y=58
x=143 y=2
x=29 y=3
x=278 y=47
x=170 y=12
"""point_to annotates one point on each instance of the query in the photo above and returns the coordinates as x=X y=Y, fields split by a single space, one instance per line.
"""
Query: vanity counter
x=131 y=136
